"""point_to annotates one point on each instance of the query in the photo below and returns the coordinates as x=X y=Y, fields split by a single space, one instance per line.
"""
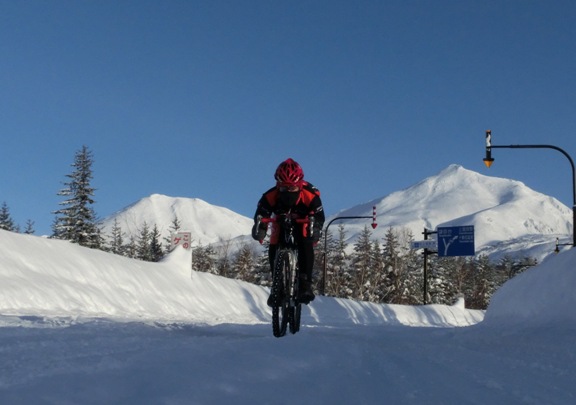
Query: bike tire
x=295 y=318
x=281 y=312
x=295 y=308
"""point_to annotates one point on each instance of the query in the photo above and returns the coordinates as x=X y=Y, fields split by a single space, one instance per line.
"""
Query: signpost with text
x=455 y=241
x=450 y=241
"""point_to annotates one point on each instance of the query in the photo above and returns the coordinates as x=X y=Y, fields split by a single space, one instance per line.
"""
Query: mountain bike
x=286 y=309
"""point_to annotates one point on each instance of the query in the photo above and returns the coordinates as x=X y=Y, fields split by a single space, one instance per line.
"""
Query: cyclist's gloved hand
x=259 y=233
x=316 y=234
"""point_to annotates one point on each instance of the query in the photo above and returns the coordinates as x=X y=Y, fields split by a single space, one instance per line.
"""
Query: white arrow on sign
x=424 y=244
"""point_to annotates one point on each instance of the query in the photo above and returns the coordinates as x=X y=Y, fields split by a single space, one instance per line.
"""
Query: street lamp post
x=488 y=160
x=324 y=270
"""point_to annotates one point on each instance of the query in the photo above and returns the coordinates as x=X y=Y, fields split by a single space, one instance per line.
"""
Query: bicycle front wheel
x=281 y=308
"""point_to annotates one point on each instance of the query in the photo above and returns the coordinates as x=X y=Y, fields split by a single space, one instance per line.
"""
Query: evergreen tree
x=143 y=243
x=339 y=277
x=156 y=251
x=442 y=283
x=362 y=266
x=243 y=264
x=410 y=279
x=29 y=229
x=203 y=259
x=262 y=274
x=439 y=280
x=481 y=284
x=116 y=244
x=224 y=262
x=174 y=228
x=376 y=292
x=131 y=248
x=392 y=267
x=76 y=221
x=6 y=222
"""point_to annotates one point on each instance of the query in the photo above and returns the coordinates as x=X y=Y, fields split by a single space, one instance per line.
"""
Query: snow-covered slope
x=508 y=216
x=55 y=278
x=208 y=223
x=542 y=296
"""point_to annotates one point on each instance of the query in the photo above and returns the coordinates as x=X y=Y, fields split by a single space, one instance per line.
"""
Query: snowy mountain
x=207 y=223
x=83 y=326
x=509 y=217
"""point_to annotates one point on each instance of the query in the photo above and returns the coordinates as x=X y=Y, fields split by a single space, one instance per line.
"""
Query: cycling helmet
x=289 y=173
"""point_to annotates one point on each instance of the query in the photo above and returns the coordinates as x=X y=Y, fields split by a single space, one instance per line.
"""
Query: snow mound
x=542 y=295
x=43 y=278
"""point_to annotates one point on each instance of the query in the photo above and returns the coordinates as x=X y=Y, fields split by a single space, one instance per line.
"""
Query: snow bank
x=542 y=295
x=56 y=279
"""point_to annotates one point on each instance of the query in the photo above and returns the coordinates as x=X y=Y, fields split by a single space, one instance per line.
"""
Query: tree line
x=385 y=271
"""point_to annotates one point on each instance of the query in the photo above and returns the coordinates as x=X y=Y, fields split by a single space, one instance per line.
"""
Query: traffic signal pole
x=488 y=160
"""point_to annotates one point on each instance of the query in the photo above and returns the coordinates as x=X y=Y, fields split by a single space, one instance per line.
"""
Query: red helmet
x=289 y=173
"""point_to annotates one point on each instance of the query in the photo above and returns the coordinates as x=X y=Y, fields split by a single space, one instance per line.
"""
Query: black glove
x=259 y=233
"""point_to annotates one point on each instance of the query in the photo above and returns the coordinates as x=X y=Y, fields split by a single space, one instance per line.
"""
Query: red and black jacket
x=308 y=203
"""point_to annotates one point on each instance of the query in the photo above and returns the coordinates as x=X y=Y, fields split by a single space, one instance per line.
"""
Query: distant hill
x=207 y=223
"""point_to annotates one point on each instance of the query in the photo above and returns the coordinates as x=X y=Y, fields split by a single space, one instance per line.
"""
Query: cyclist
x=292 y=194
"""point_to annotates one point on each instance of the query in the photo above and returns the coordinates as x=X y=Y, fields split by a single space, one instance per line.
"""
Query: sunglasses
x=291 y=189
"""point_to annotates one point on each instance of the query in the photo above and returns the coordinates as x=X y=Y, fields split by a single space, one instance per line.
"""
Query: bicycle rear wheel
x=295 y=318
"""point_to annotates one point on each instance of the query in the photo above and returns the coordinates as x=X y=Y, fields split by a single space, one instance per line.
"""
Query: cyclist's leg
x=305 y=265
x=272 y=256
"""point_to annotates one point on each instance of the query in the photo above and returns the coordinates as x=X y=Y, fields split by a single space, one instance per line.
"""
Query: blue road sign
x=456 y=241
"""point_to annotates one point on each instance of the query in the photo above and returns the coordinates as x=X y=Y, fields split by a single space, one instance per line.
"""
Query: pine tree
x=174 y=228
x=224 y=262
x=339 y=278
x=6 y=222
x=116 y=244
x=203 y=259
x=481 y=285
x=410 y=278
x=143 y=243
x=156 y=251
x=243 y=264
x=262 y=275
x=76 y=221
x=362 y=266
x=29 y=229
x=131 y=248
x=392 y=267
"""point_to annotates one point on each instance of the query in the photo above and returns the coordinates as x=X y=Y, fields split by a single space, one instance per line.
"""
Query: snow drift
x=55 y=278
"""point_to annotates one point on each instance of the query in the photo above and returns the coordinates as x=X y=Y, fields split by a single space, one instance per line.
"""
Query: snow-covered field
x=79 y=326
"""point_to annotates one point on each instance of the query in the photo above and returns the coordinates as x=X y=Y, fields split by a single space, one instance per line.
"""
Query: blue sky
x=204 y=98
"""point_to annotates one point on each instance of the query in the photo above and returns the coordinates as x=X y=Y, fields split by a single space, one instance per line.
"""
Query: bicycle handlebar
x=307 y=220
x=297 y=220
